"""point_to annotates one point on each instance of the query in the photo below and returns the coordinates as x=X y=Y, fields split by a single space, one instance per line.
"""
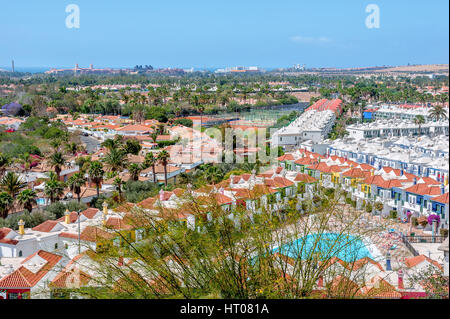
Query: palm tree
x=4 y=162
x=72 y=148
x=115 y=143
x=213 y=174
x=5 y=204
x=150 y=160
x=419 y=120
x=27 y=198
x=163 y=158
x=154 y=136
x=76 y=181
x=96 y=173
x=26 y=160
x=12 y=183
x=54 y=189
x=56 y=143
x=437 y=113
x=115 y=160
x=118 y=182
x=57 y=161
x=134 y=170
x=161 y=129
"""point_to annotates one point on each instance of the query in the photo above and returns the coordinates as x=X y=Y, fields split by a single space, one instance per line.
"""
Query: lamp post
x=79 y=231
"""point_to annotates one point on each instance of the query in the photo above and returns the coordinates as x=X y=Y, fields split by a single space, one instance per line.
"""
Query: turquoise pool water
x=346 y=247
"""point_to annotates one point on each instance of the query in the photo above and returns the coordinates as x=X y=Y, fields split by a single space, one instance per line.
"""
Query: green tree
x=54 y=189
x=57 y=161
x=419 y=120
x=163 y=158
x=437 y=113
x=134 y=170
x=150 y=161
x=4 y=163
x=6 y=202
x=76 y=181
x=118 y=182
x=12 y=183
x=27 y=198
x=115 y=159
x=96 y=173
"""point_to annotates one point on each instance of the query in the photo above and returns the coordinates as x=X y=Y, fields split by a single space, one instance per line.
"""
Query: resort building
x=315 y=123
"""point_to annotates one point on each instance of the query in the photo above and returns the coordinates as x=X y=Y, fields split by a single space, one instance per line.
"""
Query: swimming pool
x=346 y=247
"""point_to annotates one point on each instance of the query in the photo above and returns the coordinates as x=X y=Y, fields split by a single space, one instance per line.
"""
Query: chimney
x=120 y=263
x=21 y=224
x=67 y=217
x=320 y=282
x=388 y=261
x=161 y=195
x=400 y=280
x=105 y=212
x=91 y=66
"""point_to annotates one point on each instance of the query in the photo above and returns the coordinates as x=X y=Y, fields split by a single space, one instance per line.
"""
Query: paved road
x=90 y=142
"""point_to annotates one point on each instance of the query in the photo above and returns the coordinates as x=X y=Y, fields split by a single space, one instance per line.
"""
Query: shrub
x=414 y=221
x=316 y=199
x=378 y=206
x=184 y=122
x=444 y=232
x=329 y=192
x=31 y=219
x=369 y=208
x=58 y=209
x=393 y=214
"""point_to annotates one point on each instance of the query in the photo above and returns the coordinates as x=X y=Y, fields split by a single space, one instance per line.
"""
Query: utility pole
x=79 y=232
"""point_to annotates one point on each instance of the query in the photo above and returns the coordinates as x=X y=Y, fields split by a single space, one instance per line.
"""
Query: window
x=56 y=246
x=20 y=253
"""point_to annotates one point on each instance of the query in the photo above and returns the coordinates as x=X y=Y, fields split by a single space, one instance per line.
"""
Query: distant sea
x=25 y=69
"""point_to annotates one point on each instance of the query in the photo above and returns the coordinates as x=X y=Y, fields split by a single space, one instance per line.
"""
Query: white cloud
x=310 y=40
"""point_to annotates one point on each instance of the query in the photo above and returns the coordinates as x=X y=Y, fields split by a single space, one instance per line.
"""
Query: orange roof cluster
x=443 y=199
x=414 y=261
x=424 y=189
x=305 y=178
x=3 y=233
x=90 y=233
x=24 y=278
x=325 y=104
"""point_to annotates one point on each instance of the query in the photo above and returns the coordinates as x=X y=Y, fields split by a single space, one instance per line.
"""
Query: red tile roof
x=3 y=233
x=305 y=161
x=414 y=261
x=90 y=233
x=305 y=178
x=46 y=226
x=24 y=278
x=286 y=157
x=424 y=189
x=443 y=199
x=355 y=173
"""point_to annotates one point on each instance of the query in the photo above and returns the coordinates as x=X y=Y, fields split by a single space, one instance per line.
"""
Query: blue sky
x=213 y=33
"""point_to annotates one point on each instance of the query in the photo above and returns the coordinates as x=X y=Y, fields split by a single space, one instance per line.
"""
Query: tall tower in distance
x=12 y=66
